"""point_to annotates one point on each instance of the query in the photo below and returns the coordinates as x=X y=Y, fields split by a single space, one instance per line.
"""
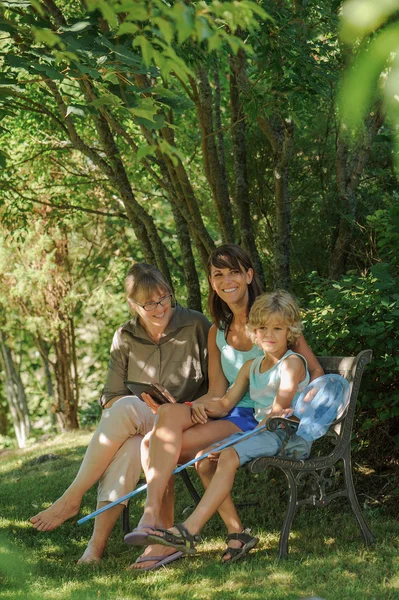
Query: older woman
x=163 y=343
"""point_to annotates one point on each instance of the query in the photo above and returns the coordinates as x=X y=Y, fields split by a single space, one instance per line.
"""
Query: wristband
x=189 y=403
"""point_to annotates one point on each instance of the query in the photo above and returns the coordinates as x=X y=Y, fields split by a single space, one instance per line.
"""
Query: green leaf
x=360 y=82
x=107 y=11
x=77 y=27
x=146 y=48
x=146 y=109
x=74 y=109
x=361 y=17
x=106 y=100
x=3 y=159
x=165 y=28
x=48 y=37
x=127 y=27
x=203 y=30
x=144 y=151
x=184 y=17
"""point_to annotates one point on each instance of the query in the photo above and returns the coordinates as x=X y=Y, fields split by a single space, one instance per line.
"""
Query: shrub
x=359 y=312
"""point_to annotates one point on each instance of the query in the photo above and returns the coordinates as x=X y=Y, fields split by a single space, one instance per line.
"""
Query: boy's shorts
x=268 y=443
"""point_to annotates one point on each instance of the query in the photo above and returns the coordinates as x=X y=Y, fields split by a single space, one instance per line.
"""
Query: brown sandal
x=248 y=542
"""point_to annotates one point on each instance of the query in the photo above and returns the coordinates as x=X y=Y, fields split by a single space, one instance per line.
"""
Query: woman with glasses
x=163 y=343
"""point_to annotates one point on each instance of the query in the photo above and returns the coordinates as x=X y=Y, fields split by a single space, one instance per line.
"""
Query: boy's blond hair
x=276 y=304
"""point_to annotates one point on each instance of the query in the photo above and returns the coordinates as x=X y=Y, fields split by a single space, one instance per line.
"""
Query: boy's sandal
x=184 y=540
x=248 y=542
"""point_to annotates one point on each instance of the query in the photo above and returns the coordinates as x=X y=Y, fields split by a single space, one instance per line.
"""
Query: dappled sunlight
x=15 y=460
x=281 y=577
x=12 y=523
x=319 y=563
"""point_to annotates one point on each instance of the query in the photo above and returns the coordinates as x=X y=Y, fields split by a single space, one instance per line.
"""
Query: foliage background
x=104 y=110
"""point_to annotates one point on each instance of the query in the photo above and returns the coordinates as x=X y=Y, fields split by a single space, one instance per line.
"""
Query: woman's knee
x=173 y=414
x=122 y=407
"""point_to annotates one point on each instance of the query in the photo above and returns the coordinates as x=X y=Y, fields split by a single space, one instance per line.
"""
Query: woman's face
x=230 y=284
x=159 y=315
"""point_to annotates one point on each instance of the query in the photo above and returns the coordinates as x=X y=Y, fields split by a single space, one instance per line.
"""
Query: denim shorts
x=268 y=443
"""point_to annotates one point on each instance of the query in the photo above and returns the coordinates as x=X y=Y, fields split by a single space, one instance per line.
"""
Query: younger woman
x=275 y=380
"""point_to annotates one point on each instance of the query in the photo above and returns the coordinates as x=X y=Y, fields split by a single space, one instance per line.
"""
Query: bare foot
x=92 y=554
x=56 y=514
x=156 y=551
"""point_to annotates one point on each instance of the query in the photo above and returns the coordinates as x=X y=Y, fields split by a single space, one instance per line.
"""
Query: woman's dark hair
x=145 y=280
x=229 y=256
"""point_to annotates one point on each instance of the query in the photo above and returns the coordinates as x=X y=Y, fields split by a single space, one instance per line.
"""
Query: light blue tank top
x=263 y=387
x=232 y=360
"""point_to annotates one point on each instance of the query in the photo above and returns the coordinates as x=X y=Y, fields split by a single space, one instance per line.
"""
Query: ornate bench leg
x=368 y=536
x=289 y=517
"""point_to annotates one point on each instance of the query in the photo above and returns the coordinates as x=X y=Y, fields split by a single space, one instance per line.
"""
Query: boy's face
x=272 y=337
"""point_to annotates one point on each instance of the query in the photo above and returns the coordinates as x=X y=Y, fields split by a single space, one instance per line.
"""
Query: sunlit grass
x=327 y=556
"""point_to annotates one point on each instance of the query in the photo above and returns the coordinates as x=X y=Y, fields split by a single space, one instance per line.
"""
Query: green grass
x=327 y=555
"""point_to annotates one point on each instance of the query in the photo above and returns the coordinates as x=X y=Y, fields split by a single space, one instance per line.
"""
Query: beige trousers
x=127 y=421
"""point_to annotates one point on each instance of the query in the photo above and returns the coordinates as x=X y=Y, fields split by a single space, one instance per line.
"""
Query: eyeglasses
x=150 y=306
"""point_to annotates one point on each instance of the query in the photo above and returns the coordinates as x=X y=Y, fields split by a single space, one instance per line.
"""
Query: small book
x=157 y=392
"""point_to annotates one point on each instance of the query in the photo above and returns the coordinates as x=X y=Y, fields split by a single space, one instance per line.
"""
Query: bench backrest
x=350 y=367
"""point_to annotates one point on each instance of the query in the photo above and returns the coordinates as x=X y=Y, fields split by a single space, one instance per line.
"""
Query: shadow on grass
x=327 y=556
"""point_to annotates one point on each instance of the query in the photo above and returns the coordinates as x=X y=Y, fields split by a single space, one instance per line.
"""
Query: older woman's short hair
x=143 y=280
x=279 y=304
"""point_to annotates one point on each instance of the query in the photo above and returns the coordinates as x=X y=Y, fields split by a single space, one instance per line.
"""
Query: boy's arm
x=216 y=408
x=292 y=373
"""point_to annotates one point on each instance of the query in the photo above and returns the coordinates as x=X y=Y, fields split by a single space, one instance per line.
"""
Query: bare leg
x=120 y=478
x=162 y=457
x=128 y=417
x=175 y=439
x=97 y=458
x=218 y=490
x=227 y=510
x=166 y=516
x=103 y=526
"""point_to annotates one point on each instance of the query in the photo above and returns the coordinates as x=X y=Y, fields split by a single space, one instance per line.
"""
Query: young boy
x=275 y=381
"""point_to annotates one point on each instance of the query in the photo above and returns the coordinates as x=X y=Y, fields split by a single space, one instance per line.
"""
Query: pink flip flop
x=139 y=537
x=161 y=561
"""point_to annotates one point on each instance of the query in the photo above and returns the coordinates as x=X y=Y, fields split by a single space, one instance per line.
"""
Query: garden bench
x=318 y=472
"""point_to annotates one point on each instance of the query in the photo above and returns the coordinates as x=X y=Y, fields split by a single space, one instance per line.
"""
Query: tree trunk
x=280 y=137
x=189 y=270
x=349 y=167
x=241 y=188
x=66 y=405
x=15 y=393
x=214 y=168
x=43 y=348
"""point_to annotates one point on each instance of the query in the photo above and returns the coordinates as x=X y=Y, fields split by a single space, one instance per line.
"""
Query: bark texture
x=280 y=135
x=15 y=393
x=350 y=163
x=214 y=167
x=241 y=188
